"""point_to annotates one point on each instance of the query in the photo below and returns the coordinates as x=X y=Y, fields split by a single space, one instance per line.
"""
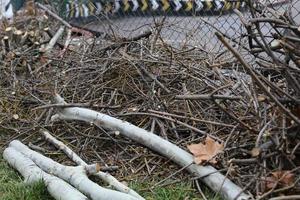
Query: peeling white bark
x=57 y=188
x=106 y=177
x=76 y=176
x=215 y=180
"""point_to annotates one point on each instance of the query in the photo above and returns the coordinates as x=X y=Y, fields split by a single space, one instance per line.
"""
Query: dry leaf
x=261 y=98
x=284 y=178
x=206 y=152
x=255 y=151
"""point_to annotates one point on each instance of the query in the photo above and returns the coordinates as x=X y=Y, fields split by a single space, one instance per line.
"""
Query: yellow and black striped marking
x=85 y=8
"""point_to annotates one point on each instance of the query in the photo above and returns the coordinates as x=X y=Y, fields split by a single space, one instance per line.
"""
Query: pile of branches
x=184 y=96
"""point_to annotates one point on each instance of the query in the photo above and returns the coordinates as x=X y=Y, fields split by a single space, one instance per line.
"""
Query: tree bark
x=212 y=178
x=57 y=188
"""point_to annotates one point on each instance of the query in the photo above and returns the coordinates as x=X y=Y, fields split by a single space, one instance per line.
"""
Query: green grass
x=178 y=191
x=13 y=188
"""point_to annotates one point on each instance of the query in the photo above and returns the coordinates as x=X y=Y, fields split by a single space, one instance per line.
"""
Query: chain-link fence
x=184 y=23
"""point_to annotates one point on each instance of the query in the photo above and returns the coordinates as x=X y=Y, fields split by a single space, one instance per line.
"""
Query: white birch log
x=212 y=178
x=57 y=188
x=106 y=177
x=76 y=176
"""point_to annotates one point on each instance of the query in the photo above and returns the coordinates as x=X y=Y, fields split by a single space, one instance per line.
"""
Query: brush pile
x=185 y=96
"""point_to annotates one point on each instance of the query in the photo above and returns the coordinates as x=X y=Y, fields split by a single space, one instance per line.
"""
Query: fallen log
x=211 y=177
x=106 y=177
x=76 y=176
x=57 y=188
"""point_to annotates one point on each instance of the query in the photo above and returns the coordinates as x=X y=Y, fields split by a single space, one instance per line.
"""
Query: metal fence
x=186 y=28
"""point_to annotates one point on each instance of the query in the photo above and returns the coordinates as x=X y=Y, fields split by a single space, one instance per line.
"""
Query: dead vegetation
x=186 y=95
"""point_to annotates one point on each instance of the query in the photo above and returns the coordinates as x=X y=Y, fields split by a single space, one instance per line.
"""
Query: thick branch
x=57 y=188
x=76 y=176
x=215 y=180
x=106 y=177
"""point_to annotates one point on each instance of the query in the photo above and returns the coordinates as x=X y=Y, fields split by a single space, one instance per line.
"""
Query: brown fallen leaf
x=282 y=178
x=255 y=152
x=262 y=98
x=206 y=152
